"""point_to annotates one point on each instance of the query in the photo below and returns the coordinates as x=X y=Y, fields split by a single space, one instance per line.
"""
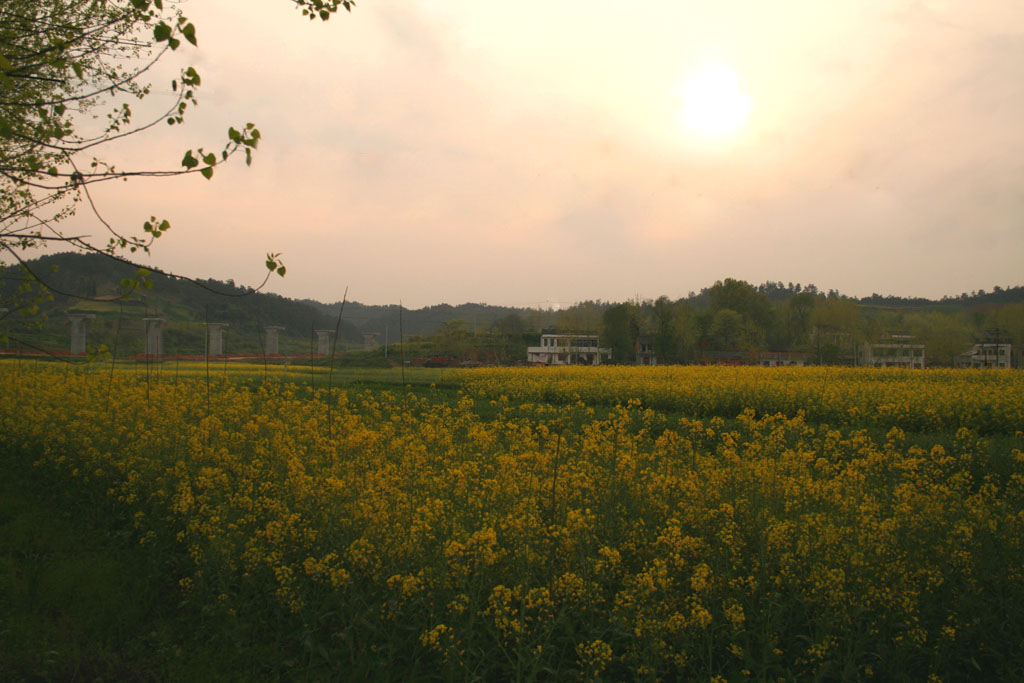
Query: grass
x=80 y=600
x=73 y=595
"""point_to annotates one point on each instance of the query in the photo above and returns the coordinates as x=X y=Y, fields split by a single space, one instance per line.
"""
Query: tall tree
x=727 y=331
x=755 y=311
x=797 y=311
x=620 y=329
x=945 y=337
x=675 y=331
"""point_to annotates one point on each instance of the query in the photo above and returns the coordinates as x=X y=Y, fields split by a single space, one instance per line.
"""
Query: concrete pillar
x=154 y=336
x=272 y=334
x=323 y=341
x=215 y=339
x=79 y=326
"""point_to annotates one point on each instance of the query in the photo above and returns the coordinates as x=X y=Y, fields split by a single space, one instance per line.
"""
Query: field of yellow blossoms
x=573 y=524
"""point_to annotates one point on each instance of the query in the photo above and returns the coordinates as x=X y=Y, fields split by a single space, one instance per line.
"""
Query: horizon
x=563 y=305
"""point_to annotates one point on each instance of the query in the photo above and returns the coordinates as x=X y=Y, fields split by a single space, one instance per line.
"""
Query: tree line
x=735 y=319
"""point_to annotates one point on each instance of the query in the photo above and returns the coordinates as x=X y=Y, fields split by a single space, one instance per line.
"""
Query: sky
x=540 y=155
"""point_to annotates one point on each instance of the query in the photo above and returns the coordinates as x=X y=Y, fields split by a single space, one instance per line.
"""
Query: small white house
x=568 y=349
x=987 y=355
x=780 y=359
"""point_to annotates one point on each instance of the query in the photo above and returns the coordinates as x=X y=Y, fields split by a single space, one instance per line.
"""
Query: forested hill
x=386 y=321
x=997 y=297
x=188 y=305
x=93 y=283
x=779 y=292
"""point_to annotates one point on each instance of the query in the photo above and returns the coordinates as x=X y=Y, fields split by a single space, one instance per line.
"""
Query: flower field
x=934 y=400
x=577 y=524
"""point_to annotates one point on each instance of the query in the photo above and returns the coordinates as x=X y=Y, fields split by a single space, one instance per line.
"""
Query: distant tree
x=945 y=337
x=511 y=325
x=454 y=338
x=1011 y=319
x=798 y=312
x=665 y=336
x=727 y=331
x=838 y=314
x=510 y=331
x=838 y=329
x=757 y=314
x=620 y=330
x=582 y=317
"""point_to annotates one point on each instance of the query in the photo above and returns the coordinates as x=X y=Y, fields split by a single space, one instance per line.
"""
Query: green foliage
x=726 y=331
x=621 y=327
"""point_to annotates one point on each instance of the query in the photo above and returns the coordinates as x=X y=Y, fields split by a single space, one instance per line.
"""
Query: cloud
x=469 y=150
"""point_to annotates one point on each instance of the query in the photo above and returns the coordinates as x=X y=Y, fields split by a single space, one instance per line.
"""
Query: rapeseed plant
x=624 y=543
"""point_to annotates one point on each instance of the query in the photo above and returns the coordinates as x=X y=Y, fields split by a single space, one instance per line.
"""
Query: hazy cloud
x=479 y=151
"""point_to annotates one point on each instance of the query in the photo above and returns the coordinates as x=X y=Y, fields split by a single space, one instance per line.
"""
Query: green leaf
x=280 y=271
x=79 y=71
x=189 y=31
x=210 y=159
x=189 y=161
x=207 y=172
x=161 y=32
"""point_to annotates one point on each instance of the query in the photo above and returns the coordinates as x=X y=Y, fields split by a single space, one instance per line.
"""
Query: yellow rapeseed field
x=690 y=523
x=917 y=400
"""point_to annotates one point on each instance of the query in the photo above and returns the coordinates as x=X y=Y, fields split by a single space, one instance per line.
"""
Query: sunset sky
x=543 y=154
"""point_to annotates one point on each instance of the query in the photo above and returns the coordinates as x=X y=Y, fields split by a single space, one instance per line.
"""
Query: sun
x=714 y=104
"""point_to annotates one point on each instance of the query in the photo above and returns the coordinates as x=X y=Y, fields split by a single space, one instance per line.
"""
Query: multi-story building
x=987 y=355
x=644 y=347
x=897 y=351
x=568 y=349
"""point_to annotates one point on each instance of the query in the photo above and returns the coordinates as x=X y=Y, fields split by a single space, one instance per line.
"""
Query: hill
x=94 y=284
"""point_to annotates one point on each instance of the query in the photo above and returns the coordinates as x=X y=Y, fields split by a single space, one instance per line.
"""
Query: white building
x=779 y=359
x=568 y=349
x=987 y=355
x=898 y=352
